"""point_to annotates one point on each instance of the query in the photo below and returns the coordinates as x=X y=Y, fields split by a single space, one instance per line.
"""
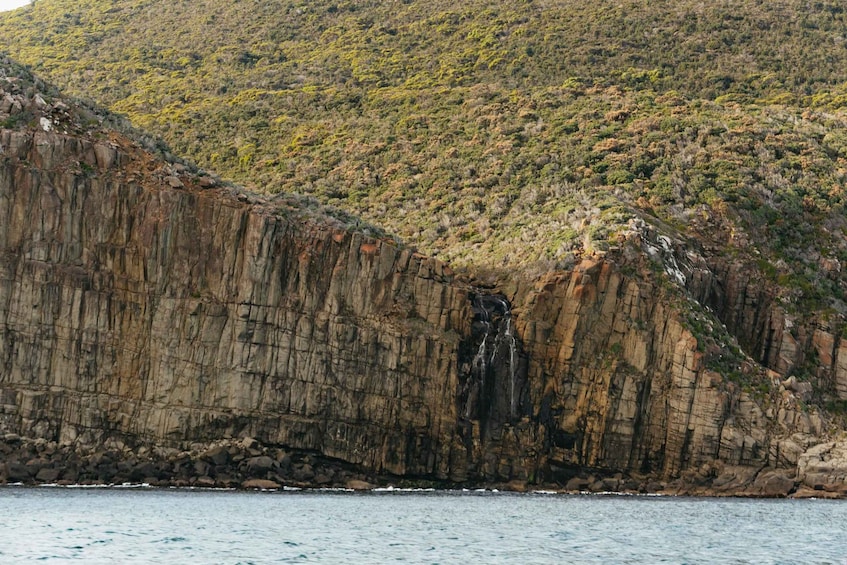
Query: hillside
x=492 y=133
x=646 y=200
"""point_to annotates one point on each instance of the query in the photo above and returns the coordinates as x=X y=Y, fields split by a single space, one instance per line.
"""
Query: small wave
x=334 y=489
x=389 y=489
x=479 y=491
x=470 y=491
x=212 y=489
x=296 y=559
x=110 y=486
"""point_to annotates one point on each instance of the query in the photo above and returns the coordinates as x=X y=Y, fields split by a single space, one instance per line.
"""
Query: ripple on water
x=175 y=539
x=144 y=525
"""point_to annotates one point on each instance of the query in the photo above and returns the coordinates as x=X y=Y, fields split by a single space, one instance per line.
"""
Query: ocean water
x=67 y=525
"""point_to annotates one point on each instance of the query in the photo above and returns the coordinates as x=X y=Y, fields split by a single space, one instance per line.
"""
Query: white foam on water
x=334 y=489
x=396 y=489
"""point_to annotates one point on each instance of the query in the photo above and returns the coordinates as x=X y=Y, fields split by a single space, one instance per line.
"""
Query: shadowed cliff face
x=137 y=301
x=620 y=381
x=804 y=342
x=492 y=370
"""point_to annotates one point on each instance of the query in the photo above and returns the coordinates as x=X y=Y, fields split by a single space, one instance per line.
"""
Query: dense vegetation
x=517 y=133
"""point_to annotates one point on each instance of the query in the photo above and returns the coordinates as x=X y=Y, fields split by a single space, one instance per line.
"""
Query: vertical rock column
x=131 y=308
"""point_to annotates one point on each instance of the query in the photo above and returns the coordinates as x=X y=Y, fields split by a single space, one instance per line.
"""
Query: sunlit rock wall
x=138 y=302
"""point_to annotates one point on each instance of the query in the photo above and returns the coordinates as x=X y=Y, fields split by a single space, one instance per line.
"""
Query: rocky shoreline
x=246 y=464
x=223 y=464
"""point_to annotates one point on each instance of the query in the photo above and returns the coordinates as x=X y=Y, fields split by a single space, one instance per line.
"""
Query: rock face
x=173 y=315
x=619 y=382
x=139 y=304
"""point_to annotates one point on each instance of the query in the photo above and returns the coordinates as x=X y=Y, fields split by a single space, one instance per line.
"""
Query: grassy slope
x=514 y=133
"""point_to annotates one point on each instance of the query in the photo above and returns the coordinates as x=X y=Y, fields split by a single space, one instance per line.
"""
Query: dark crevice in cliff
x=492 y=370
x=638 y=457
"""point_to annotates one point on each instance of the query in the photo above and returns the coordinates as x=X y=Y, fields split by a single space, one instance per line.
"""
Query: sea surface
x=143 y=525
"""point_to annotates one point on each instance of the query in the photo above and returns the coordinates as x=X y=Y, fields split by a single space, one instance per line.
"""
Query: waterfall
x=490 y=389
x=479 y=366
x=506 y=323
x=512 y=346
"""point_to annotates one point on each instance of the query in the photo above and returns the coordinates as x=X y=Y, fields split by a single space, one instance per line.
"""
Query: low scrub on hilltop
x=517 y=134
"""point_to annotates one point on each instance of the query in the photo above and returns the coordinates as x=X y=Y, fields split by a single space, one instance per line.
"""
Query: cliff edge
x=157 y=325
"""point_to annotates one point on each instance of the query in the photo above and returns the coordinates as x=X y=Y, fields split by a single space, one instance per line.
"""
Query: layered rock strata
x=142 y=305
x=185 y=314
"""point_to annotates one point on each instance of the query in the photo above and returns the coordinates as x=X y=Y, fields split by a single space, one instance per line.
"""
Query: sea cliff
x=157 y=325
